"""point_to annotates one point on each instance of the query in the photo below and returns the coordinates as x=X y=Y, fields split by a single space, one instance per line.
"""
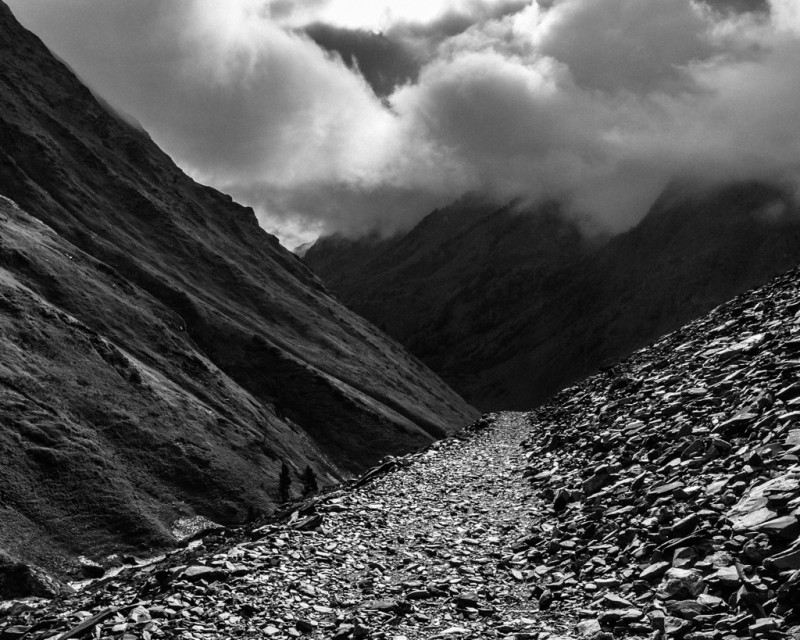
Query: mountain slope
x=658 y=499
x=509 y=307
x=151 y=327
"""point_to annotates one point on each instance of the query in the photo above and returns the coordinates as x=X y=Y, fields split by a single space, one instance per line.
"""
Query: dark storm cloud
x=516 y=101
x=740 y=6
x=597 y=103
x=456 y=20
x=626 y=45
x=282 y=9
x=385 y=63
x=425 y=37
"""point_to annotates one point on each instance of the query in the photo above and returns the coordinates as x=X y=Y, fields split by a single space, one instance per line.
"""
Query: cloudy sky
x=355 y=115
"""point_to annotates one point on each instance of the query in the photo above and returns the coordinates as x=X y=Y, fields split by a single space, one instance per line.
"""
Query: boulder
x=20 y=580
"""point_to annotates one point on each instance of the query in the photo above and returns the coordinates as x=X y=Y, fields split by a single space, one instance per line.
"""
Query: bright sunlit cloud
x=373 y=15
x=597 y=103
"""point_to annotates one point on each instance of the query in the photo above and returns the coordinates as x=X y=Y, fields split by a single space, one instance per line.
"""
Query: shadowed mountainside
x=161 y=353
x=658 y=499
x=509 y=306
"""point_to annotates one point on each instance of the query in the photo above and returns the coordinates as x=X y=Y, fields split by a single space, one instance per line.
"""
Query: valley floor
x=659 y=498
x=424 y=551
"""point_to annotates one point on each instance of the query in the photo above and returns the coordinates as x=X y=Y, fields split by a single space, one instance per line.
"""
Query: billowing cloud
x=597 y=103
x=432 y=16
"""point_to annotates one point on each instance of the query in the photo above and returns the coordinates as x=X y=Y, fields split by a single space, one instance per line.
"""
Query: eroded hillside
x=162 y=354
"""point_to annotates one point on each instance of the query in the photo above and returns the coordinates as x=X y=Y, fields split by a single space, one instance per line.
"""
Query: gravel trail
x=425 y=550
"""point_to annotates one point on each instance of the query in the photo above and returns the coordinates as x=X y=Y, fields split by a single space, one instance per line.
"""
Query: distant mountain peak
x=509 y=305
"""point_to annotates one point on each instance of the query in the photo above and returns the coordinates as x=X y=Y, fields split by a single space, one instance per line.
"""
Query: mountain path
x=414 y=553
x=423 y=551
x=443 y=524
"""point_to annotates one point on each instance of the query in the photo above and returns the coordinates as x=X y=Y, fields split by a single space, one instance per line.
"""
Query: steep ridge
x=659 y=498
x=462 y=287
x=509 y=306
x=162 y=354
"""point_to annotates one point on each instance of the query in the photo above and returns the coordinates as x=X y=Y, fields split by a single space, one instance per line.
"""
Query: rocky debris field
x=673 y=482
x=659 y=498
x=423 y=548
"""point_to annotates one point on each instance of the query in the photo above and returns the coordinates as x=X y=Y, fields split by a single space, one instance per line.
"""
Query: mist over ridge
x=596 y=104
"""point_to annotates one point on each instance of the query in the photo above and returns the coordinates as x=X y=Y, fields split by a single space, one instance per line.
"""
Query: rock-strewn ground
x=424 y=550
x=658 y=498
